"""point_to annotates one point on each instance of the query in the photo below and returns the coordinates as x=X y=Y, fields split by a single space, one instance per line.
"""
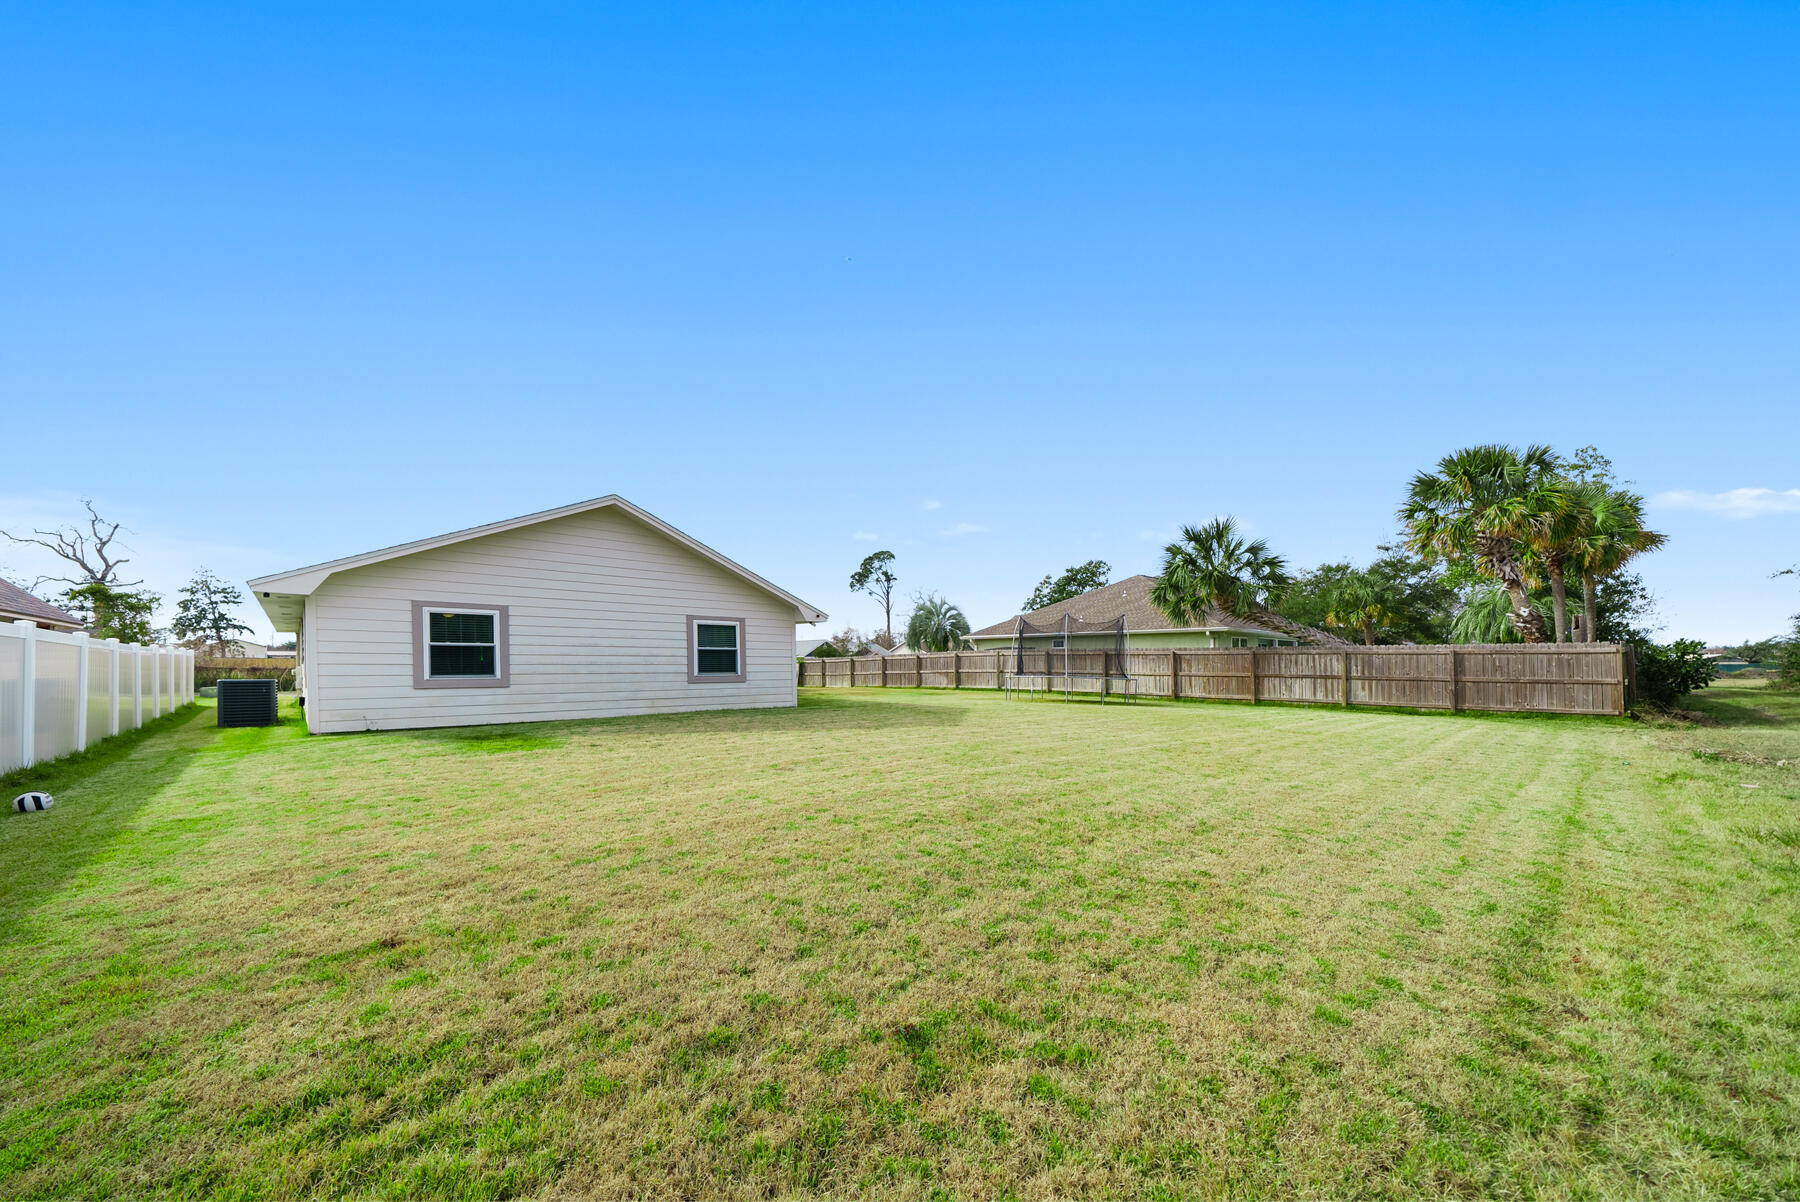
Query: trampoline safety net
x=1039 y=657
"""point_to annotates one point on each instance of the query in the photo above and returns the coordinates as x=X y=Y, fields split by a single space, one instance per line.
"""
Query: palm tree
x=1488 y=504
x=935 y=625
x=1553 y=545
x=1360 y=603
x=1486 y=616
x=1609 y=535
x=1210 y=567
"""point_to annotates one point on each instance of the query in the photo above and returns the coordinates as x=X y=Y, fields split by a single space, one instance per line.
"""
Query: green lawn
x=914 y=944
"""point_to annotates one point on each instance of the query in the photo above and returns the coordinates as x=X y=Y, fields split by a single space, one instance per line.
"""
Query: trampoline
x=1035 y=669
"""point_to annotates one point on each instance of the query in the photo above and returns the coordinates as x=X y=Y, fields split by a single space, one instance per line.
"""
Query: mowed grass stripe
x=910 y=943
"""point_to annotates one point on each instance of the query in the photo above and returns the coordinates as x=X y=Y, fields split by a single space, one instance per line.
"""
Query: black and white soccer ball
x=33 y=802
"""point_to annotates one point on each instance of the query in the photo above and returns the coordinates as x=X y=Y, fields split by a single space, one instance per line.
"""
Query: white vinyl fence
x=64 y=692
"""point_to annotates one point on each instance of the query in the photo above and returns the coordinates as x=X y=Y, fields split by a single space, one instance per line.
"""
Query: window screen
x=715 y=649
x=461 y=644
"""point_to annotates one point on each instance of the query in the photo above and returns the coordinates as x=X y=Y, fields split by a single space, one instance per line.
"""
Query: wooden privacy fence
x=1564 y=678
x=209 y=670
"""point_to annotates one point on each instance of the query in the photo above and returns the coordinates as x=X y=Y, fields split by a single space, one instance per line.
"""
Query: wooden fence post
x=1174 y=675
x=955 y=669
x=1346 y=658
x=1455 y=683
x=1253 y=689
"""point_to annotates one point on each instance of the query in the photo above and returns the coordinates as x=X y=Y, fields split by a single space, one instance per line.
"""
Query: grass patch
x=913 y=943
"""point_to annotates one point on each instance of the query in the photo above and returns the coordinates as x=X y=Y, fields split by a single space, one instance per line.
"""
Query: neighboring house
x=1148 y=627
x=16 y=604
x=591 y=610
x=238 y=649
x=805 y=647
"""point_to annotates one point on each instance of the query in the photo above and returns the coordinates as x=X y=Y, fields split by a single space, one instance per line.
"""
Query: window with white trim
x=1265 y=642
x=462 y=643
x=1057 y=643
x=1239 y=641
x=715 y=649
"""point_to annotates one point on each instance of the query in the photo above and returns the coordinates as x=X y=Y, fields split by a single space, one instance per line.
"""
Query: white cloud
x=963 y=528
x=863 y=536
x=932 y=505
x=1736 y=503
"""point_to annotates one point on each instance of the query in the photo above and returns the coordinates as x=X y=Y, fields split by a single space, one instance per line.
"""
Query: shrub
x=1666 y=674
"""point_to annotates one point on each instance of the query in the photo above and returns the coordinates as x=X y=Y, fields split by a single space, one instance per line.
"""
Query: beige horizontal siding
x=598 y=608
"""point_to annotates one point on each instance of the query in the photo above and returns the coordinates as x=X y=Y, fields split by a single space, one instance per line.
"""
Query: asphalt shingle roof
x=15 y=602
x=1131 y=598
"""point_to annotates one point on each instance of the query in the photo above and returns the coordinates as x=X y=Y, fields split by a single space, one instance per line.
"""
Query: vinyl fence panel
x=61 y=692
x=58 y=699
x=12 y=702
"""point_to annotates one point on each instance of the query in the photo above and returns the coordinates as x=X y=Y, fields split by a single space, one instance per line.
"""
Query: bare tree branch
x=90 y=551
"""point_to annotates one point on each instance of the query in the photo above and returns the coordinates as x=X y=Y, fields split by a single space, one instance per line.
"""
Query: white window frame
x=1239 y=642
x=422 y=645
x=1057 y=644
x=695 y=675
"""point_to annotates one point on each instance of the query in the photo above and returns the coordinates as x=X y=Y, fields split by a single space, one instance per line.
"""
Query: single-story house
x=239 y=649
x=16 y=604
x=805 y=647
x=1147 y=626
x=595 y=609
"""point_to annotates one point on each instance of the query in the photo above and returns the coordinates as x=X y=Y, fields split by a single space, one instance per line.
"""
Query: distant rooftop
x=1130 y=598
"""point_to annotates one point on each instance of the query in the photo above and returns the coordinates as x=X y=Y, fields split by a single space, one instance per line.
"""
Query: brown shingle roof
x=1131 y=598
x=15 y=602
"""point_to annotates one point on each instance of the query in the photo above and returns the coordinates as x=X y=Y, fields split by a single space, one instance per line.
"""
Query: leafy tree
x=1789 y=671
x=1082 y=578
x=1588 y=466
x=876 y=577
x=1624 y=610
x=203 y=616
x=114 y=613
x=1210 y=567
x=935 y=625
x=1362 y=603
x=1759 y=651
x=1485 y=504
x=1422 y=600
x=849 y=641
x=1608 y=533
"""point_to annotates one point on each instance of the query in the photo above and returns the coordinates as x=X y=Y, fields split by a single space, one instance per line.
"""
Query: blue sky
x=998 y=288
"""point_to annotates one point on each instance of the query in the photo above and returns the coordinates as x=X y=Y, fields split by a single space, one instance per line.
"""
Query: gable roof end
x=302 y=582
